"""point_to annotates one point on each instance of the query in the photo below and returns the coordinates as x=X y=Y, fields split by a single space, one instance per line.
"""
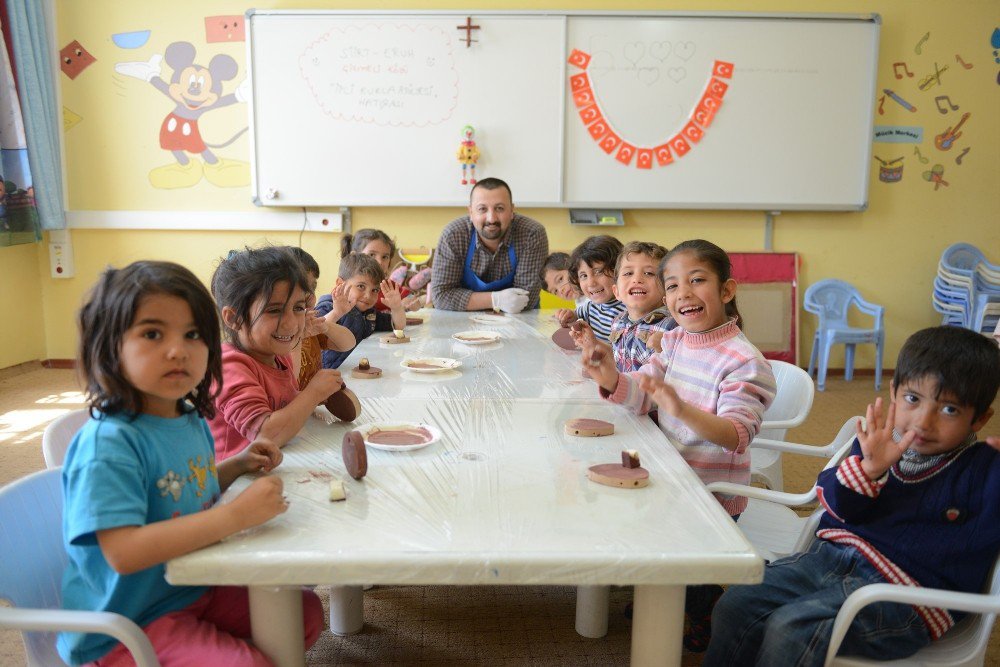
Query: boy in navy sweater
x=352 y=303
x=916 y=503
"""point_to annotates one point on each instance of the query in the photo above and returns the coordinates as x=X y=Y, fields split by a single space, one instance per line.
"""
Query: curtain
x=32 y=46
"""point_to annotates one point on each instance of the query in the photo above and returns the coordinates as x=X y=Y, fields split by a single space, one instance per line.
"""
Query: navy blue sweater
x=361 y=324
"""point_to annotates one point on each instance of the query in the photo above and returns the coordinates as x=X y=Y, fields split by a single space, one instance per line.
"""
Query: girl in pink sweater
x=710 y=384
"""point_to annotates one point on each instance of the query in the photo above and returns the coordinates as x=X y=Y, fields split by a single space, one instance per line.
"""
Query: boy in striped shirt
x=592 y=269
x=914 y=504
x=636 y=332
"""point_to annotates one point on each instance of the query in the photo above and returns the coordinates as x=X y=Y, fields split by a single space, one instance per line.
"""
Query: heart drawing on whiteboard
x=648 y=75
x=634 y=51
x=660 y=50
x=684 y=50
x=677 y=74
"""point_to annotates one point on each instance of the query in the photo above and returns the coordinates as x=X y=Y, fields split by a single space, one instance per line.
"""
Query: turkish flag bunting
x=679 y=145
x=625 y=153
x=718 y=88
x=579 y=82
x=583 y=97
x=663 y=155
x=579 y=59
x=610 y=141
x=590 y=114
x=693 y=132
x=723 y=69
x=598 y=129
x=644 y=158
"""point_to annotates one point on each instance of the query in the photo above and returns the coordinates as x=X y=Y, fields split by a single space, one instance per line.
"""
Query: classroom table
x=502 y=497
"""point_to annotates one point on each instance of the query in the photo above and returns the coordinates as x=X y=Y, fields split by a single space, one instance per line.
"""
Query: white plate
x=476 y=337
x=440 y=364
x=489 y=318
x=366 y=430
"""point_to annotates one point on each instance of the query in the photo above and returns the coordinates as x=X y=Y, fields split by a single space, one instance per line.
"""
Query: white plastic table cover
x=502 y=498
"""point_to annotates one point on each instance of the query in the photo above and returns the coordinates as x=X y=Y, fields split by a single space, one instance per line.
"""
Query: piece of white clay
x=399 y=333
x=337 y=491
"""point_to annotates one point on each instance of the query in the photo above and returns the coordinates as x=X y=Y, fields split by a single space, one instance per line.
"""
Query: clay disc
x=562 y=338
x=615 y=474
x=355 y=455
x=392 y=340
x=368 y=374
x=589 y=428
x=412 y=321
x=344 y=405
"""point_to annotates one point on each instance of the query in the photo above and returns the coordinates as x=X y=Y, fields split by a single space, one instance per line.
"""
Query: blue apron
x=473 y=282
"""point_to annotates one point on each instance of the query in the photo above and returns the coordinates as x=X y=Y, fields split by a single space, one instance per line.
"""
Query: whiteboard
x=794 y=130
x=367 y=108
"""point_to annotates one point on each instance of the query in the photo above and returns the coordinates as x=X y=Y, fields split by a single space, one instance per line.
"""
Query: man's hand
x=511 y=300
x=880 y=449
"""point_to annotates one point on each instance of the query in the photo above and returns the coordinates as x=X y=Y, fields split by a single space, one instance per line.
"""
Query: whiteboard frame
x=262 y=199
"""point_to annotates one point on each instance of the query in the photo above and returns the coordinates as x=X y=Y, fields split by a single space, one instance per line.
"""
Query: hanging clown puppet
x=468 y=155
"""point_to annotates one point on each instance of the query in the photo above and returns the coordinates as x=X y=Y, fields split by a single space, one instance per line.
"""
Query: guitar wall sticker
x=947 y=139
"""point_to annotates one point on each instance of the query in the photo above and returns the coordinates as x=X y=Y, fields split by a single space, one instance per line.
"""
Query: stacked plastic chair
x=967 y=289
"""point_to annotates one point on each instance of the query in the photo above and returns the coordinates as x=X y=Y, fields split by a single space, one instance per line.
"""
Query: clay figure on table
x=196 y=90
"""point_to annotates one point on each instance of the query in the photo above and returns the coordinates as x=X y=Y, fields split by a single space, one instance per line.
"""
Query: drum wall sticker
x=619 y=147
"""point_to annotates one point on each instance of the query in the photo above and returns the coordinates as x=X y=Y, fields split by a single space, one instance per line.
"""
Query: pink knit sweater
x=718 y=371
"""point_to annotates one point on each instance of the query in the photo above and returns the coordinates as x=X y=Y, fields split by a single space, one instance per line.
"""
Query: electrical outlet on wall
x=61 y=258
x=324 y=220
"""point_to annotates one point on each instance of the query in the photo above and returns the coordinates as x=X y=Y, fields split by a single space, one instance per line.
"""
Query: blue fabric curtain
x=33 y=46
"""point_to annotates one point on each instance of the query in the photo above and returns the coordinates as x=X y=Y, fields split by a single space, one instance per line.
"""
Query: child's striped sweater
x=717 y=371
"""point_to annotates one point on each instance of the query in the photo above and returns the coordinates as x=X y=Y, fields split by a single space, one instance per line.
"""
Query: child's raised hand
x=390 y=294
x=993 y=441
x=261 y=455
x=259 y=502
x=599 y=363
x=565 y=316
x=325 y=383
x=880 y=449
x=315 y=324
x=653 y=342
x=663 y=394
x=339 y=295
x=582 y=335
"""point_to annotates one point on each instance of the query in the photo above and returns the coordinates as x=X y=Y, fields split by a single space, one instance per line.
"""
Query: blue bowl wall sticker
x=130 y=40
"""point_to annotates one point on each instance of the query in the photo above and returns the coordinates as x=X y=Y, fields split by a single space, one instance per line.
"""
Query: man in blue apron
x=492 y=257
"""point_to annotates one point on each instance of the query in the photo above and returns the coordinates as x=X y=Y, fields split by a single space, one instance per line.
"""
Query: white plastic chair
x=789 y=409
x=33 y=559
x=774 y=529
x=59 y=433
x=963 y=646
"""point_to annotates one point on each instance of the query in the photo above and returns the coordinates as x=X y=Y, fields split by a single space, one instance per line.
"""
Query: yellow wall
x=889 y=251
x=21 y=301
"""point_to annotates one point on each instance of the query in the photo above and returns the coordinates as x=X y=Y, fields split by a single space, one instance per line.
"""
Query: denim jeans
x=788 y=619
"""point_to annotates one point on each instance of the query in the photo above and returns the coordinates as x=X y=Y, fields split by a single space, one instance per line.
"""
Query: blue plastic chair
x=830 y=300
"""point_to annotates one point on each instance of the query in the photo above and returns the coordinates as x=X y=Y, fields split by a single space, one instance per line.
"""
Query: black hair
x=247 y=275
x=652 y=250
x=366 y=265
x=601 y=249
x=362 y=238
x=557 y=261
x=963 y=363
x=109 y=312
x=491 y=184
x=307 y=261
x=715 y=257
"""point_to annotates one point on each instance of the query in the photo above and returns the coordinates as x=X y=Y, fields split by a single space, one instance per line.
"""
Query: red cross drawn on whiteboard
x=468 y=28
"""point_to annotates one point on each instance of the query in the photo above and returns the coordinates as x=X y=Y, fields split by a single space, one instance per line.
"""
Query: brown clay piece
x=365 y=371
x=589 y=428
x=613 y=474
x=343 y=405
x=395 y=340
x=412 y=321
x=355 y=454
x=630 y=458
x=562 y=338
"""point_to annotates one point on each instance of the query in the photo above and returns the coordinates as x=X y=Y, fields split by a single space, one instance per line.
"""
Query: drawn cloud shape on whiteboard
x=399 y=75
